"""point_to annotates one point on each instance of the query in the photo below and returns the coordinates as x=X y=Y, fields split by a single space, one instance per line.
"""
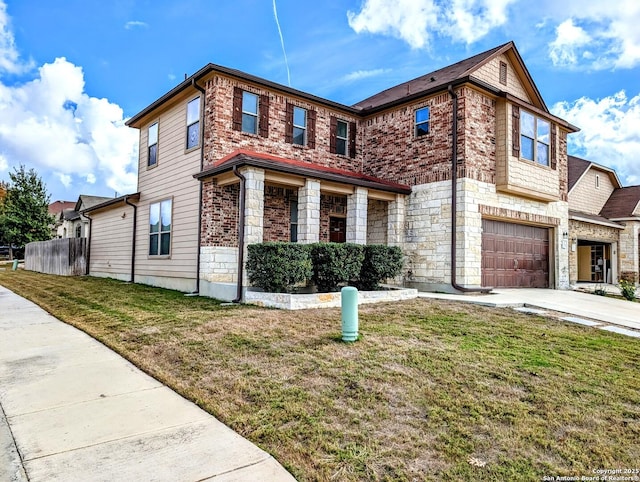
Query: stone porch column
x=357 y=204
x=253 y=210
x=395 y=221
x=309 y=212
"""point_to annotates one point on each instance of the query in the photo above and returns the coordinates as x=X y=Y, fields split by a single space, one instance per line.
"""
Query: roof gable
x=578 y=168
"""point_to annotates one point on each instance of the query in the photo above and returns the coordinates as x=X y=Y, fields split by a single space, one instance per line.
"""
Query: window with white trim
x=249 y=112
x=193 y=123
x=160 y=228
x=422 y=122
x=535 y=134
x=299 y=126
x=152 y=143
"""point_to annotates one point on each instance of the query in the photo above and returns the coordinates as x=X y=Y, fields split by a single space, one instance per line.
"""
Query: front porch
x=287 y=201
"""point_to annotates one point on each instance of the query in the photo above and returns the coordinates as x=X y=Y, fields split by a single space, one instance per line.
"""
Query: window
x=597 y=181
x=293 y=205
x=341 y=137
x=249 y=113
x=152 y=142
x=422 y=122
x=299 y=126
x=79 y=231
x=534 y=138
x=160 y=228
x=193 y=123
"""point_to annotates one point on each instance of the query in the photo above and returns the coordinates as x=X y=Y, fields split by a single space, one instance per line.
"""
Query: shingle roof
x=295 y=167
x=577 y=168
x=436 y=80
x=580 y=216
x=622 y=203
x=57 y=207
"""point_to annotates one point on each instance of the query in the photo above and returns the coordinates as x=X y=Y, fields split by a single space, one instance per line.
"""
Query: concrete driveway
x=612 y=314
x=73 y=410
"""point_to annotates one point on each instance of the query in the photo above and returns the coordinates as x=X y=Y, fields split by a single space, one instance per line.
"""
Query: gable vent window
x=597 y=181
x=193 y=123
x=503 y=73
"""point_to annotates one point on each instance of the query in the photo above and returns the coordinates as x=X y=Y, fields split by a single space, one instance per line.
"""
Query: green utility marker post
x=349 y=305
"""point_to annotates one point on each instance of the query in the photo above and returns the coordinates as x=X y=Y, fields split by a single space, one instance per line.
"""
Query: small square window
x=299 y=126
x=152 y=142
x=422 y=122
x=249 y=113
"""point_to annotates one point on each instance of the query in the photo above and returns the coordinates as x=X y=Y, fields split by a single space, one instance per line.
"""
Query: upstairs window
x=299 y=126
x=193 y=123
x=341 y=137
x=152 y=142
x=534 y=138
x=422 y=122
x=249 y=113
x=160 y=228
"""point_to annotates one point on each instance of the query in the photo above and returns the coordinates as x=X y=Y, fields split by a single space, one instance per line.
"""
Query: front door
x=337 y=230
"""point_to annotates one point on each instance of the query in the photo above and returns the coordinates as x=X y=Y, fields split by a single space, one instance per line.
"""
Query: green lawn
x=433 y=390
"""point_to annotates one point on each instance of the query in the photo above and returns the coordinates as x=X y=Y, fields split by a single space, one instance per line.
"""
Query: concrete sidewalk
x=73 y=410
x=608 y=313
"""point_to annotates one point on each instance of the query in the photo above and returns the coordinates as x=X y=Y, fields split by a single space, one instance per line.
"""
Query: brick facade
x=330 y=206
x=277 y=213
x=219 y=214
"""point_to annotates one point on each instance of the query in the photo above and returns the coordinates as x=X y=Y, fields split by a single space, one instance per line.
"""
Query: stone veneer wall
x=629 y=250
x=377 y=224
x=428 y=231
x=590 y=232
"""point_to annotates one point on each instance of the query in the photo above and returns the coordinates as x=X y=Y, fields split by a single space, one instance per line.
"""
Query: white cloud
x=9 y=57
x=135 y=24
x=417 y=21
x=363 y=74
x=605 y=34
x=609 y=132
x=51 y=124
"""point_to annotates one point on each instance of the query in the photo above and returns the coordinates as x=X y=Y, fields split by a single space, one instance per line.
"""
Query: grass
x=433 y=390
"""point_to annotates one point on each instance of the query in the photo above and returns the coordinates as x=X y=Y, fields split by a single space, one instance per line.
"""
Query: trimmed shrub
x=277 y=267
x=380 y=262
x=628 y=289
x=335 y=264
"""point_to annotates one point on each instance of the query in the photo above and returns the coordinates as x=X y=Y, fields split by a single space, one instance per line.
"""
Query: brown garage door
x=514 y=255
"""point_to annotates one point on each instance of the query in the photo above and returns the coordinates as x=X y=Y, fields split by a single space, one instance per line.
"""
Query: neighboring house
x=604 y=224
x=55 y=210
x=70 y=223
x=228 y=159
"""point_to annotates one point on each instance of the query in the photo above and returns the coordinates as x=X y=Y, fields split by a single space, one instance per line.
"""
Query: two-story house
x=228 y=159
x=604 y=224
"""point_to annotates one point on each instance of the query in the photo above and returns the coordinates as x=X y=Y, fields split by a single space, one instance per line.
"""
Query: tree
x=24 y=211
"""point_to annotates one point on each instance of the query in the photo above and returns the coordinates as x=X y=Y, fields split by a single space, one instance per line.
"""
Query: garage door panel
x=514 y=255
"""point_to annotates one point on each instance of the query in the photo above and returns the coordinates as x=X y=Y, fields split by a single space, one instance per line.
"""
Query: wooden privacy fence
x=66 y=257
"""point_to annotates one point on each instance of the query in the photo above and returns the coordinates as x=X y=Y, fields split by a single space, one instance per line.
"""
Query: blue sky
x=72 y=71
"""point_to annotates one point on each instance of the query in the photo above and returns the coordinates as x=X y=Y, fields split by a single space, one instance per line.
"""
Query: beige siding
x=171 y=178
x=490 y=74
x=111 y=232
x=586 y=197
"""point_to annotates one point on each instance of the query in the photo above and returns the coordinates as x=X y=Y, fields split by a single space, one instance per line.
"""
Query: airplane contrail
x=275 y=14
